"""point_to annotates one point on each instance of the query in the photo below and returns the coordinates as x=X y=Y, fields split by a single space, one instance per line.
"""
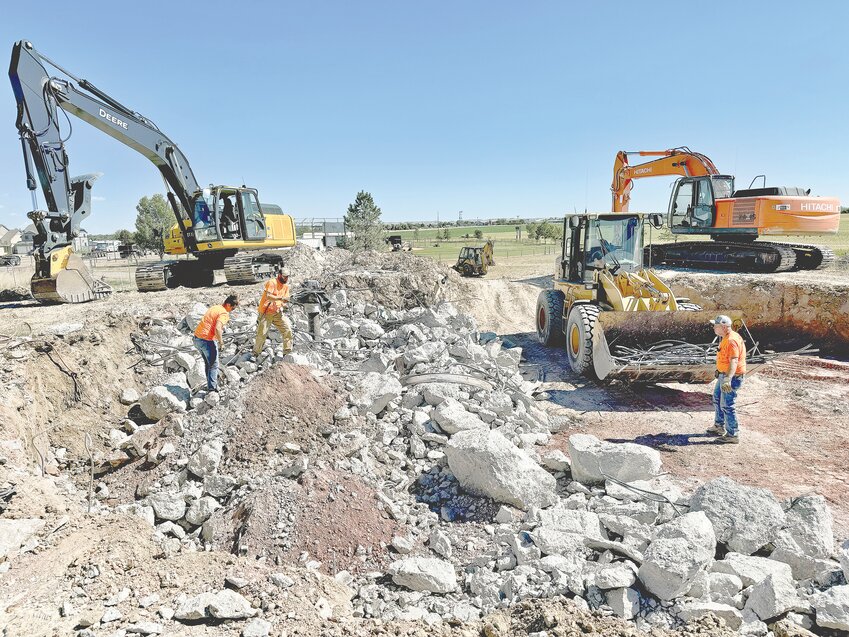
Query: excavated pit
x=782 y=311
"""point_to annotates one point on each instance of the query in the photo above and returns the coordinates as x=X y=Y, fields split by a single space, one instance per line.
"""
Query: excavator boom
x=675 y=161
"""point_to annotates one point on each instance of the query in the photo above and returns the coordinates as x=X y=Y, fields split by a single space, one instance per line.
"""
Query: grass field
x=507 y=248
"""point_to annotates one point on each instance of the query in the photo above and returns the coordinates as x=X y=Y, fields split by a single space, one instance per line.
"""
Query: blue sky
x=492 y=108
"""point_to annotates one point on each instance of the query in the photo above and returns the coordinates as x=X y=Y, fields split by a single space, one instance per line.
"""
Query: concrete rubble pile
x=440 y=421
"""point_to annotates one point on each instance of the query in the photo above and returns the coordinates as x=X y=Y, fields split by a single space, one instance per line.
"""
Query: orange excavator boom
x=674 y=161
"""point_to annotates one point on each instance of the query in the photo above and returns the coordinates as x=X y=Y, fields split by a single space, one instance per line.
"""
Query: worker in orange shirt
x=209 y=337
x=730 y=369
x=275 y=298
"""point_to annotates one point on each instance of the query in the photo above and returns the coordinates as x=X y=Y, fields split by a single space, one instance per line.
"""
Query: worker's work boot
x=728 y=439
x=717 y=430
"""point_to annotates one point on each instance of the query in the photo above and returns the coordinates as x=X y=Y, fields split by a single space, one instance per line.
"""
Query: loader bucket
x=655 y=347
x=72 y=284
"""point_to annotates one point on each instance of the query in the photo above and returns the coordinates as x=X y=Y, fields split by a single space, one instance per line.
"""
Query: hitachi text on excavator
x=218 y=227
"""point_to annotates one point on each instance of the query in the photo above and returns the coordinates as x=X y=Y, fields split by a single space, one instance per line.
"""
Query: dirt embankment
x=810 y=307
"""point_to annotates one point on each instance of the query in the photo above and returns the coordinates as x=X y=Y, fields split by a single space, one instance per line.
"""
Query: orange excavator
x=705 y=202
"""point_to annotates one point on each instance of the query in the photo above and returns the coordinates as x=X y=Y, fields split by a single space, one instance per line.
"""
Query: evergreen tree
x=153 y=221
x=363 y=220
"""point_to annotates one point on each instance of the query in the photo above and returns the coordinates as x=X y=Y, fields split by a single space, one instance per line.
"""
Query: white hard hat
x=283 y=272
x=721 y=320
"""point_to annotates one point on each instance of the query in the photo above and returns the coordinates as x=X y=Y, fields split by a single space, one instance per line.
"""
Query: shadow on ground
x=567 y=389
x=668 y=442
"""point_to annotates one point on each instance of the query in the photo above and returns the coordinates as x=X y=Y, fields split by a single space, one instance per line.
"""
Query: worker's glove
x=726 y=387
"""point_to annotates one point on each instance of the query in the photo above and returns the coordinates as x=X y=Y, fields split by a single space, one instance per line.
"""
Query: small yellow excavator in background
x=475 y=260
x=618 y=319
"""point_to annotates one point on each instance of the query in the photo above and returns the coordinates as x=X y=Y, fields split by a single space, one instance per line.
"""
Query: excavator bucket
x=655 y=347
x=71 y=284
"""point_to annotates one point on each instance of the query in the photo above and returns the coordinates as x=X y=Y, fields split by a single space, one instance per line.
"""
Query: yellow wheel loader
x=616 y=318
x=475 y=260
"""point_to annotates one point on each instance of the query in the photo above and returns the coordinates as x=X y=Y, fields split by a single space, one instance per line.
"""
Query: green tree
x=125 y=236
x=415 y=234
x=531 y=229
x=478 y=234
x=153 y=220
x=446 y=234
x=363 y=220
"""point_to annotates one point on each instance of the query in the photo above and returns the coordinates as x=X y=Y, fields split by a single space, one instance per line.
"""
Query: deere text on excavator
x=705 y=202
x=220 y=227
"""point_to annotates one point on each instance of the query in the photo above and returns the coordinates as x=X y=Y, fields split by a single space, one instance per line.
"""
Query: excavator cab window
x=255 y=228
x=681 y=204
x=202 y=221
x=703 y=209
x=225 y=205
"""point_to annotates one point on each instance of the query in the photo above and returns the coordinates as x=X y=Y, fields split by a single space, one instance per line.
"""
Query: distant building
x=26 y=244
x=108 y=245
x=80 y=243
x=9 y=239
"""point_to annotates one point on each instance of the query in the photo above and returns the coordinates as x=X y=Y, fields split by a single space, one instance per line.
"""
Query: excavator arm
x=675 y=161
x=40 y=97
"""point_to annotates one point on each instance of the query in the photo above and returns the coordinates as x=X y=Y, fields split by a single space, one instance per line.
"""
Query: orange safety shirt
x=731 y=346
x=271 y=306
x=214 y=316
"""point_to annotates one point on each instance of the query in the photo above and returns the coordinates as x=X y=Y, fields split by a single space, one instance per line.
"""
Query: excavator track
x=811 y=257
x=754 y=256
x=243 y=269
x=152 y=277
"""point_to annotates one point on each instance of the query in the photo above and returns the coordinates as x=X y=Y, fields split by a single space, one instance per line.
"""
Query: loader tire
x=550 y=317
x=579 y=338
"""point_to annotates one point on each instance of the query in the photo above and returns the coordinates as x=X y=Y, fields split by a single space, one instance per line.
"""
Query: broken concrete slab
x=206 y=459
x=773 y=596
x=806 y=567
x=594 y=459
x=424 y=574
x=692 y=611
x=452 y=417
x=679 y=551
x=832 y=608
x=160 y=400
x=375 y=391
x=486 y=463
x=228 y=604
x=15 y=533
x=625 y=602
x=167 y=505
x=744 y=518
x=751 y=569
x=808 y=527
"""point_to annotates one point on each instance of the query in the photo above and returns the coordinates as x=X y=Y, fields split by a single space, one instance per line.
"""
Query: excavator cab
x=223 y=213
x=692 y=206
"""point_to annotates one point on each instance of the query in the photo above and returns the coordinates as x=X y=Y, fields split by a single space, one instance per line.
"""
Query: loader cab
x=692 y=206
x=224 y=213
x=600 y=242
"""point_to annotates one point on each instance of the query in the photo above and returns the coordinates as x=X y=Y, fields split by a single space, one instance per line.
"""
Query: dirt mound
x=287 y=404
x=341 y=524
